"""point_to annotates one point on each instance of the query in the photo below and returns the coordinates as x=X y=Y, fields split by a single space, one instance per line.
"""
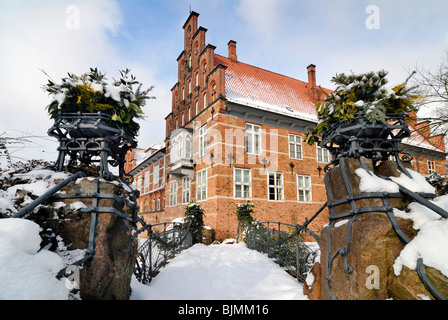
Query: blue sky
x=283 y=36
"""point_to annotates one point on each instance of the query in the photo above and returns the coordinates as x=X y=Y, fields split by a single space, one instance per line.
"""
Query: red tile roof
x=264 y=89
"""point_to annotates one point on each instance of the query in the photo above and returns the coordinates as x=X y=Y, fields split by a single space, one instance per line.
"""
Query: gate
x=286 y=244
x=159 y=247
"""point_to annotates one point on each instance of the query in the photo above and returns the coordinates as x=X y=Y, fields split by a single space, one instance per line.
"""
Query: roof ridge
x=250 y=65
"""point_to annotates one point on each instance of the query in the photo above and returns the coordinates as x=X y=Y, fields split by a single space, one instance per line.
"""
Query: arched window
x=196 y=48
x=146 y=207
x=204 y=71
x=213 y=91
x=205 y=100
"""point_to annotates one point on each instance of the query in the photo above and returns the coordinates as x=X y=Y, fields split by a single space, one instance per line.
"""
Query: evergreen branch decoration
x=122 y=99
x=363 y=93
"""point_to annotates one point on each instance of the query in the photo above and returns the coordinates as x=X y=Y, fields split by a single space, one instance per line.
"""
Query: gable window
x=173 y=193
x=242 y=183
x=303 y=188
x=431 y=167
x=201 y=185
x=213 y=93
x=275 y=186
x=322 y=155
x=203 y=141
x=253 y=139
x=295 y=146
x=204 y=71
x=185 y=190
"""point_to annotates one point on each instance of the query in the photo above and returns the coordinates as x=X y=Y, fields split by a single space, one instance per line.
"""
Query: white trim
x=276 y=187
x=295 y=136
x=242 y=184
x=304 y=189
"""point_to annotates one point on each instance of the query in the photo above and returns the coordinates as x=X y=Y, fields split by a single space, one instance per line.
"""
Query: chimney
x=232 y=50
x=311 y=75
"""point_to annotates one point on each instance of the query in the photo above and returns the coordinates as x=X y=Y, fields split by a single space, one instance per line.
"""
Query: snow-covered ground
x=216 y=272
x=220 y=272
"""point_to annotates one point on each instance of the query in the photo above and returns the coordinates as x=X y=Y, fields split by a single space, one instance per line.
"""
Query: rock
x=208 y=235
x=408 y=286
x=362 y=247
x=108 y=274
x=312 y=285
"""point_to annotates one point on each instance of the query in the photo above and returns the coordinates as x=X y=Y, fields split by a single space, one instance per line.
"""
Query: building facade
x=236 y=133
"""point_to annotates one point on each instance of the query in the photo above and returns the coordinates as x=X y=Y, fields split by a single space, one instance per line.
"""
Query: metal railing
x=159 y=247
x=285 y=243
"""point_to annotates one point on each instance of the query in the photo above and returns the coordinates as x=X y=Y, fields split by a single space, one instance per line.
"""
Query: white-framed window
x=253 y=138
x=295 y=146
x=139 y=182
x=322 y=155
x=155 y=176
x=203 y=141
x=154 y=204
x=173 y=193
x=275 y=186
x=241 y=183
x=431 y=167
x=158 y=203
x=146 y=180
x=303 y=188
x=201 y=185
x=205 y=100
x=186 y=183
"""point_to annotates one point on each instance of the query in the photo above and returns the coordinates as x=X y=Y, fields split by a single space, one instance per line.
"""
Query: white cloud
x=262 y=16
x=48 y=35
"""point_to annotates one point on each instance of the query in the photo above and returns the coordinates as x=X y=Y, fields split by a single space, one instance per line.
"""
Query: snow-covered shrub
x=194 y=220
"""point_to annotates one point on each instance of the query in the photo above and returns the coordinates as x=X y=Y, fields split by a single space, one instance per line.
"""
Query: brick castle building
x=236 y=133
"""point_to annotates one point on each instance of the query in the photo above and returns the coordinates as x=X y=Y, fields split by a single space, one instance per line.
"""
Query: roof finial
x=190 y=8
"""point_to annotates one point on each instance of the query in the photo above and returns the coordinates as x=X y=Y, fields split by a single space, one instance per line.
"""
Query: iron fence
x=285 y=243
x=159 y=247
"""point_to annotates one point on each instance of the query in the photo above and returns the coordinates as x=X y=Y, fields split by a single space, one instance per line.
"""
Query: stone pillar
x=107 y=275
x=358 y=251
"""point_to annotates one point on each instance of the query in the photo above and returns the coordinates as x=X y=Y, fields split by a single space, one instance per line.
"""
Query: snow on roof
x=417 y=140
x=263 y=89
